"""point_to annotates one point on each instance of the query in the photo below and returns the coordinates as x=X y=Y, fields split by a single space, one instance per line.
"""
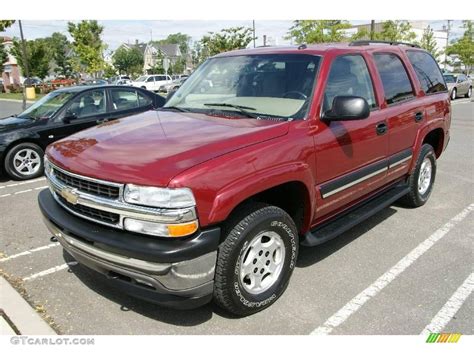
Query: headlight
x=158 y=197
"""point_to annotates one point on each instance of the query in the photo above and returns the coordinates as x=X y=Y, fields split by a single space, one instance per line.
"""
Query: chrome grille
x=97 y=215
x=90 y=187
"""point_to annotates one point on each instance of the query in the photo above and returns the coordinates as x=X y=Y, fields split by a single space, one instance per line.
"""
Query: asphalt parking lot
x=397 y=273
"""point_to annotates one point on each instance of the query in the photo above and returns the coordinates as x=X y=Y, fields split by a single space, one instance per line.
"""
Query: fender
x=229 y=197
x=12 y=138
x=421 y=134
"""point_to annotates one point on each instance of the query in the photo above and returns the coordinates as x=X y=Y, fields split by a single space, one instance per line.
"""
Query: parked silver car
x=458 y=85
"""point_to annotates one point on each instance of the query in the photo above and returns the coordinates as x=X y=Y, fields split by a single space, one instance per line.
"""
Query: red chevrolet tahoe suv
x=259 y=151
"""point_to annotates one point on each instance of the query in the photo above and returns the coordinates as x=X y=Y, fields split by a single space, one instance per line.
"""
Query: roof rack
x=392 y=43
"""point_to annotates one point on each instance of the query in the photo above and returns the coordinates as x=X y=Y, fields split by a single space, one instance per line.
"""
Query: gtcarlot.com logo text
x=61 y=340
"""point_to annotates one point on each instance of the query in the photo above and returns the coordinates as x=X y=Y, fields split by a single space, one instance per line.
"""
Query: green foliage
x=3 y=53
x=128 y=61
x=396 y=31
x=464 y=47
x=181 y=39
x=428 y=42
x=87 y=45
x=37 y=56
x=226 y=40
x=59 y=47
x=109 y=71
x=4 y=24
x=318 y=31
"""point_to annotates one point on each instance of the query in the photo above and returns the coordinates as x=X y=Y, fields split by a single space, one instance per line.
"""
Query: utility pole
x=447 y=44
x=25 y=63
x=264 y=40
x=253 y=22
x=372 y=29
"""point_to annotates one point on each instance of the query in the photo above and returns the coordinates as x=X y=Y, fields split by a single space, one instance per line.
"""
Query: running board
x=353 y=217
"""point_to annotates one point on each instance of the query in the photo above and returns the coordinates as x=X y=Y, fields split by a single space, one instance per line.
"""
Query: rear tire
x=454 y=94
x=469 y=93
x=422 y=180
x=256 y=260
x=24 y=161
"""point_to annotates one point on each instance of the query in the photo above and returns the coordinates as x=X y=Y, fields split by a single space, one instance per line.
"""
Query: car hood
x=450 y=85
x=153 y=147
x=11 y=123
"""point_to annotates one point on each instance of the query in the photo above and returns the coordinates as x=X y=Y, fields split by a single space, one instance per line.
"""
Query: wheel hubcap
x=26 y=162
x=262 y=262
x=424 y=179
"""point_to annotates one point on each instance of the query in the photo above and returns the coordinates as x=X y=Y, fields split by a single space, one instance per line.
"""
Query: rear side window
x=395 y=80
x=427 y=71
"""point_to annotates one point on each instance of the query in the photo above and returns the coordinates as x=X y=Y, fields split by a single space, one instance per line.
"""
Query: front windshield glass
x=450 y=78
x=141 y=78
x=47 y=106
x=270 y=85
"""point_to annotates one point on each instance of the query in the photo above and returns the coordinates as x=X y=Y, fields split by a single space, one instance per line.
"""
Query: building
x=418 y=27
x=154 y=52
x=10 y=70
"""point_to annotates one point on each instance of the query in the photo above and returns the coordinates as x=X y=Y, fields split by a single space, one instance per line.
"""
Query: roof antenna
x=302 y=46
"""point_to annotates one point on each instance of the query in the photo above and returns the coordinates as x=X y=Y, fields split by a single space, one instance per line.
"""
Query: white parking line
x=29 y=252
x=23 y=191
x=50 y=271
x=442 y=318
x=23 y=183
x=358 y=301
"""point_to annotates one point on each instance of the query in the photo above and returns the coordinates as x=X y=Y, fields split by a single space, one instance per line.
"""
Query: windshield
x=47 y=106
x=275 y=85
x=141 y=78
x=450 y=78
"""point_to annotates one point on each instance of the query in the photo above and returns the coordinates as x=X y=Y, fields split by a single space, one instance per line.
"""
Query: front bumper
x=174 y=273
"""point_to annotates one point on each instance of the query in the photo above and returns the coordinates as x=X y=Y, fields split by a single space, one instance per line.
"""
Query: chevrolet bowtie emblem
x=70 y=195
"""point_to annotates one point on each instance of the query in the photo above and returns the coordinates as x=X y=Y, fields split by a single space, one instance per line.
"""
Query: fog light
x=160 y=229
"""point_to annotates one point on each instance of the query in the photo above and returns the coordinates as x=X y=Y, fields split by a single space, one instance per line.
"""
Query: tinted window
x=427 y=71
x=91 y=103
x=150 y=79
x=349 y=76
x=396 y=84
x=124 y=99
x=450 y=78
x=143 y=100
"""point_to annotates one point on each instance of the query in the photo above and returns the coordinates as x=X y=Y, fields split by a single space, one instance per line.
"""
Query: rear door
x=402 y=110
x=128 y=101
x=350 y=155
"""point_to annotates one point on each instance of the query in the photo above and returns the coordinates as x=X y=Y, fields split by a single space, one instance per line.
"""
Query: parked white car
x=152 y=82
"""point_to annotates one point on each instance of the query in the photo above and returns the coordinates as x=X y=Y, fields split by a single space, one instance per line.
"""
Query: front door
x=350 y=155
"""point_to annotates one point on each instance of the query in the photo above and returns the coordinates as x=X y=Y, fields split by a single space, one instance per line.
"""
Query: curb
x=15 y=100
x=19 y=314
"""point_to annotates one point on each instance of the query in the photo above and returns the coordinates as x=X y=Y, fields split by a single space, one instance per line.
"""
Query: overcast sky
x=117 y=32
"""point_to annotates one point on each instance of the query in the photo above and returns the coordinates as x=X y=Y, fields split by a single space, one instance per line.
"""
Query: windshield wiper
x=241 y=109
x=176 y=108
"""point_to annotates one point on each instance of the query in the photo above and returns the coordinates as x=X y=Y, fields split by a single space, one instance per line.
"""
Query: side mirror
x=347 y=108
x=68 y=117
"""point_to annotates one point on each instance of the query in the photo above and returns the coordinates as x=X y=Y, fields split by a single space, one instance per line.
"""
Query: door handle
x=381 y=128
x=418 y=116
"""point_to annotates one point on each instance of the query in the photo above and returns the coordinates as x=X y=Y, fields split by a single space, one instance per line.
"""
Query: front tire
x=454 y=94
x=421 y=181
x=24 y=161
x=256 y=260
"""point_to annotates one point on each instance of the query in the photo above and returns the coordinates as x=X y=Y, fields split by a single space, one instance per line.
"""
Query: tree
x=226 y=40
x=318 y=31
x=396 y=31
x=59 y=47
x=4 y=24
x=87 y=45
x=37 y=55
x=464 y=47
x=109 y=71
x=128 y=61
x=428 y=42
x=184 y=43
